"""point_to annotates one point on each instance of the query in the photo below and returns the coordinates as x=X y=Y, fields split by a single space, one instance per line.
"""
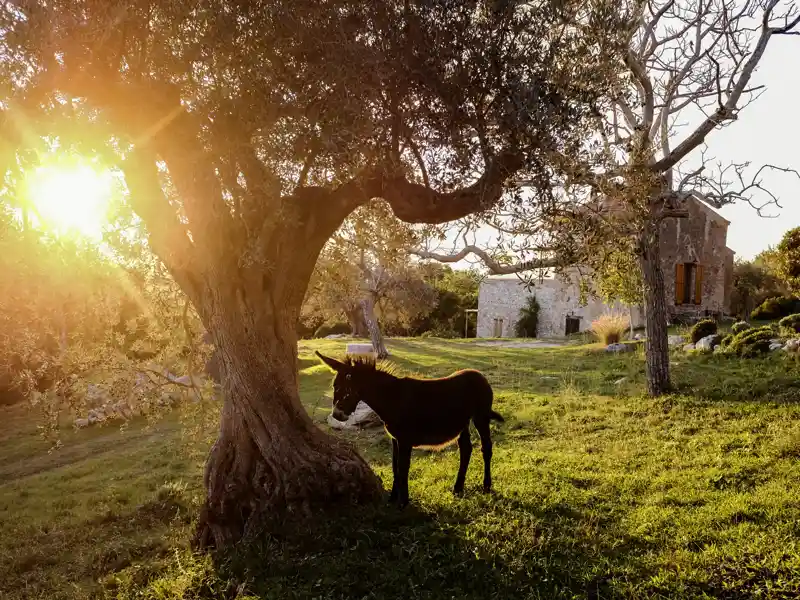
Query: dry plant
x=610 y=328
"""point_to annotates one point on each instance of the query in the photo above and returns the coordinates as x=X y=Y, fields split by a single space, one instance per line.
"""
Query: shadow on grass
x=385 y=553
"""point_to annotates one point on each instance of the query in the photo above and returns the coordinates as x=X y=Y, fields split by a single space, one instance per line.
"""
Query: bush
x=751 y=342
x=790 y=325
x=331 y=329
x=776 y=308
x=726 y=340
x=739 y=327
x=702 y=329
x=610 y=328
x=439 y=332
x=528 y=323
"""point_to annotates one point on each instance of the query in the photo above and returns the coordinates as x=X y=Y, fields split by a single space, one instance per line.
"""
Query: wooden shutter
x=679 y=272
x=698 y=284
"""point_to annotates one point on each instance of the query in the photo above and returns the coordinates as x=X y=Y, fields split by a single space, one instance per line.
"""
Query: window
x=688 y=283
x=498 y=328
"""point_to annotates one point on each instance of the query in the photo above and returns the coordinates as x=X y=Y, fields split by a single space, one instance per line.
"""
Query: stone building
x=698 y=277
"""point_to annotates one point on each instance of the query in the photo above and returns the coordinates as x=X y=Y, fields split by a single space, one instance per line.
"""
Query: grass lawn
x=600 y=493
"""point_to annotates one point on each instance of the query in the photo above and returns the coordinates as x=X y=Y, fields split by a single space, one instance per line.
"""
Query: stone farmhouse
x=698 y=274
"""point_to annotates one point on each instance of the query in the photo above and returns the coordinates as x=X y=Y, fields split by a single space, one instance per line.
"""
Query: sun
x=71 y=198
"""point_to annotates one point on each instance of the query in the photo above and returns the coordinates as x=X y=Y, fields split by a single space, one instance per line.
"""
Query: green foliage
x=753 y=283
x=702 y=329
x=110 y=515
x=776 y=308
x=727 y=339
x=619 y=277
x=790 y=325
x=787 y=256
x=527 y=325
x=751 y=342
x=739 y=327
x=456 y=291
x=332 y=329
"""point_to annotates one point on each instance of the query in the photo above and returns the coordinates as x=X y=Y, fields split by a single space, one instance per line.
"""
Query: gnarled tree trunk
x=655 y=311
x=368 y=308
x=355 y=316
x=270 y=460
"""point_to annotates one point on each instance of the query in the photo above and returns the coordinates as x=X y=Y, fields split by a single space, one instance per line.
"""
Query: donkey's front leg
x=403 y=465
x=395 y=452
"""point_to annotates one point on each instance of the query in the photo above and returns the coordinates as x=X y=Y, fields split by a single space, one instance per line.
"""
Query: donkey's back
x=435 y=411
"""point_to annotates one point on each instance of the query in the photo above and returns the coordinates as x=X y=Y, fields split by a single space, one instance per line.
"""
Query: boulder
x=676 y=340
x=775 y=346
x=81 y=423
x=708 y=343
x=688 y=348
x=620 y=348
x=792 y=345
x=363 y=416
x=336 y=336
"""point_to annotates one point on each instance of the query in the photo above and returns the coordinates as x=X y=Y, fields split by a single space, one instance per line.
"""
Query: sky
x=767 y=132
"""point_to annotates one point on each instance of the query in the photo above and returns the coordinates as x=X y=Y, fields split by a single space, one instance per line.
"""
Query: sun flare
x=71 y=198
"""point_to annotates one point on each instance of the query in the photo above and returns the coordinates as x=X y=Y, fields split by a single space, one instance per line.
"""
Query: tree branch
x=496 y=268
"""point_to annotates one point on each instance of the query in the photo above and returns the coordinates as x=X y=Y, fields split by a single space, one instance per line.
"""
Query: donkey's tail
x=493 y=416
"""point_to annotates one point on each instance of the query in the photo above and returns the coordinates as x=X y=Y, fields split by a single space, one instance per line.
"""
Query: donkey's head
x=351 y=385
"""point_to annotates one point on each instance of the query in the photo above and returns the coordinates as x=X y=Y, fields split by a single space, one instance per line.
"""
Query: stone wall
x=502 y=297
x=699 y=239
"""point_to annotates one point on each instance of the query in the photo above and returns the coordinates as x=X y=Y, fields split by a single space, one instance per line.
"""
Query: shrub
x=790 y=325
x=702 y=329
x=751 y=342
x=331 y=329
x=739 y=327
x=726 y=340
x=776 y=308
x=439 y=331
x=610 y=328
x=528 y=323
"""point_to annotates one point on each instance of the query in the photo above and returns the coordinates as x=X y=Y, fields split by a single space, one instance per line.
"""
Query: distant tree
x=364 y=272
x=753 y=282
x=787 y=260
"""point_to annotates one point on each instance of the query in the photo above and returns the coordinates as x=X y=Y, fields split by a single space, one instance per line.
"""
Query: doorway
x=573 y=325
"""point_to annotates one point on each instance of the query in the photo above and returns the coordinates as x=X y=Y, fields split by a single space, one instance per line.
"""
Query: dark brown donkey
x=418 y=413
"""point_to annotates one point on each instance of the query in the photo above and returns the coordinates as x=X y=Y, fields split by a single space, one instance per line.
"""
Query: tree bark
x=355 y=316
x=368 y=308
x=656 y=346
x=270 y=461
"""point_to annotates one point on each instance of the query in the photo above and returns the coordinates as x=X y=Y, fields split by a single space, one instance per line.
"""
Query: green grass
x=600 y=493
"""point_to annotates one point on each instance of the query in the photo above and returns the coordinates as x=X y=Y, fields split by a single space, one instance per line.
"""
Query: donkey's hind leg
x=465 y=451
x=482 y=425
x=395 y=485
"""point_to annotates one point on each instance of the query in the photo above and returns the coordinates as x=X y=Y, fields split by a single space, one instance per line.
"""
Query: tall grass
x=610 y=328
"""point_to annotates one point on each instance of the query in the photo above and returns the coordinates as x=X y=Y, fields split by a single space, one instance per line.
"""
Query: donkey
x=418 y=413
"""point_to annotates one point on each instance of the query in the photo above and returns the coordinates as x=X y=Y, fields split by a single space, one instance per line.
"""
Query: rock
x=638 y=336
x=96 y=415
x=360 y=349
x=620 y=381
x=81 y=423
x=620 y=348
x=362 y=416
x=708 y=343
x=336 y=336
x=95 y=396
x=676 y=340
x=688 y=347
x=792 y=345
x=773 y=347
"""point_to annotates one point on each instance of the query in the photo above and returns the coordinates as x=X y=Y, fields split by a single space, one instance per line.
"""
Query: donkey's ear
x=334 y=364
